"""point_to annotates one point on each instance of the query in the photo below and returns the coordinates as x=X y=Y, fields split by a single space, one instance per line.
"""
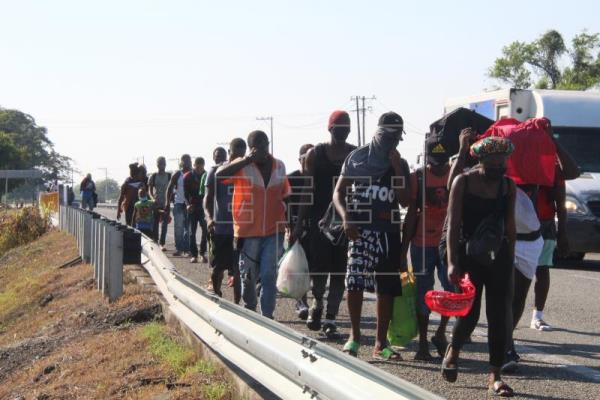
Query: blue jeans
x=424 y=270
x=182 y=224
x=258 y=260
x=87 y=201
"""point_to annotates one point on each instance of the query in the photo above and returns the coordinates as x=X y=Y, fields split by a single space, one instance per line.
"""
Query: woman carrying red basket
x=481 y=242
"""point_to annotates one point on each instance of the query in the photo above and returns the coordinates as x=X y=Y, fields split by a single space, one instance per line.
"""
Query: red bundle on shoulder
x=450 y=304
x=534 y=158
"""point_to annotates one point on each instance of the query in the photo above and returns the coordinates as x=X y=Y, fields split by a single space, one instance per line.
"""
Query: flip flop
x=440 y=345
x=450 y=374
x=387 y=354
x=501 y=389
x=351 y=347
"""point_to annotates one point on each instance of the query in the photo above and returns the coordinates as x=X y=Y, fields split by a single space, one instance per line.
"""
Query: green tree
x=538 y=63
x=25 y=145
x=108 y=190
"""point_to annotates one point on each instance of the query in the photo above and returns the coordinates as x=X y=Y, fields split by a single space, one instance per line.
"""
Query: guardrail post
x=97 y=224
x=115 y=274
x=132 y=246
x=101 y=254
x=93 y=244
x=87 y=236
x=78 y=231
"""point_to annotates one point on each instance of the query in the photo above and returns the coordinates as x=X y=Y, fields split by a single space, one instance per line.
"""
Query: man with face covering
x=323 y=164
x=372 y=184
x=260 y=187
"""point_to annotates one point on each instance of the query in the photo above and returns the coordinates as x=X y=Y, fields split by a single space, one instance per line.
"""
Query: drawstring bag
x=403 y=326
x=293 y=279
x=449 y=304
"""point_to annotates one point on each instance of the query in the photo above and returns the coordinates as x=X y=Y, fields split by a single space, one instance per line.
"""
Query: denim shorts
x=424 y=270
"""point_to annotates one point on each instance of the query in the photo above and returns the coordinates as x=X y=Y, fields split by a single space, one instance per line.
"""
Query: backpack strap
x=500 y=196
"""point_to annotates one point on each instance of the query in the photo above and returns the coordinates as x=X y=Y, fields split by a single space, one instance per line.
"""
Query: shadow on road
x=585 y=265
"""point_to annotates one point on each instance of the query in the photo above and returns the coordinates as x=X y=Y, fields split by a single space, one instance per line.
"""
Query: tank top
x=324 y=179
x=179 y=191
x=476 y=208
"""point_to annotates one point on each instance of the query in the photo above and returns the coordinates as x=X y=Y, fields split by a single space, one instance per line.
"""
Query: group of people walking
x=343 y=205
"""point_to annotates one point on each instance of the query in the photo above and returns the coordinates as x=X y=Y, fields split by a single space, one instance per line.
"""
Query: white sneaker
x=540 y=325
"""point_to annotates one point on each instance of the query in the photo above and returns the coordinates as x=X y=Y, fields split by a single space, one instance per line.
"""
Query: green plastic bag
x=403 y=326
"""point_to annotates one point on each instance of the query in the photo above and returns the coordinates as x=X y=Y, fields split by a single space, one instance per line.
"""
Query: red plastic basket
x=450 y=304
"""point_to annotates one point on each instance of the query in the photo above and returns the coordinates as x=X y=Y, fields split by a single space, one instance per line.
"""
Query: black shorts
x=221 y=254
x=373 y=263
x=324 y=256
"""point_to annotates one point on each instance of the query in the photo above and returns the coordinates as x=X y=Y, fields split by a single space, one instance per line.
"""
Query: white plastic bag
x=293 y=279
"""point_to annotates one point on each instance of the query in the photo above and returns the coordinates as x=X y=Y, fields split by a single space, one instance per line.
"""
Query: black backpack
x=484 y=244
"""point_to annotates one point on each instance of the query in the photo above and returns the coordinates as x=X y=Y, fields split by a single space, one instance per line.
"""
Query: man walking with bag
x=323 y=164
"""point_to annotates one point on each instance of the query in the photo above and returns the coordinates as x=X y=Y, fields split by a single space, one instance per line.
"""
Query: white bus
x=575 y=117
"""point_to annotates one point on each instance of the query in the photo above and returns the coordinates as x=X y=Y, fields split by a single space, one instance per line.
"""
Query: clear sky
x=118 y=80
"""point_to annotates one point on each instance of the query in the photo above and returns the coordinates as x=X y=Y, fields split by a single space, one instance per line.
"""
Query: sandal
x=387 y=354
x=450 y=374
x=423 y=355
x=440 y=345
x=501 y=389
x=351 y=347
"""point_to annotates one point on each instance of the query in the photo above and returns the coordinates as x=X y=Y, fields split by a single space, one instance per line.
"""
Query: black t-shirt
x=373 y=203
x=325 y=176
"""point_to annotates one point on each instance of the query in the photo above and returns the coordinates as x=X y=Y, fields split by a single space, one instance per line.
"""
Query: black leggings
x=521 y=288
x=498 y=280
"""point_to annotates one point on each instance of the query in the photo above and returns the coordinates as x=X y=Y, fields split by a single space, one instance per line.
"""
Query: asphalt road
x=561 y=364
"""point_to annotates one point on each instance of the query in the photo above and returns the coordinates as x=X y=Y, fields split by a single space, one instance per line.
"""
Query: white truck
x=575 y=117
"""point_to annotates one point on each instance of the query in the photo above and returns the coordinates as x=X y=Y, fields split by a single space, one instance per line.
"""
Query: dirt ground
x=60 y=339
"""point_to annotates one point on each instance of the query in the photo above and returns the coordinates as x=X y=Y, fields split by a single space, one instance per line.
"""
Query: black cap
x=436 y=151
x=391 y=120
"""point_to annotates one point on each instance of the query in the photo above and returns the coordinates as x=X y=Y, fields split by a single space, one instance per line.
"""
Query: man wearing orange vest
x=260 y=187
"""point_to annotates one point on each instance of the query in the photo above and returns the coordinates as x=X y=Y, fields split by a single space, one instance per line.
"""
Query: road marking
x=586 y=277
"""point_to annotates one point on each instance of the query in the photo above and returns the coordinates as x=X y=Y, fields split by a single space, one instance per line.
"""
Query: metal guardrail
x=100 y=242
x=289 y=364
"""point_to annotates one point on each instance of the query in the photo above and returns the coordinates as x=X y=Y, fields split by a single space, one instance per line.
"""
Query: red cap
x=338 y=117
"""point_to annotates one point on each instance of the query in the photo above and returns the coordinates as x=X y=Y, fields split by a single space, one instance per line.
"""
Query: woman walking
x=481 y=242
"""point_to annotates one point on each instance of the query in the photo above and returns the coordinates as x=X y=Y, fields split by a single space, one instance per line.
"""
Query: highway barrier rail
x=287 y=363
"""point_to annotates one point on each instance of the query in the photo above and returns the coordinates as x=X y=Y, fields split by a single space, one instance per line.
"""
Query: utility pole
x=270 y=119
x=362 y=140
x=364 y=109
x=105 y=183
x=357 y=117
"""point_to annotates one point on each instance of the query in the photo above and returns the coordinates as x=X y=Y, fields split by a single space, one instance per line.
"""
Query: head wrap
x=373 y=160
x=491 y=145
